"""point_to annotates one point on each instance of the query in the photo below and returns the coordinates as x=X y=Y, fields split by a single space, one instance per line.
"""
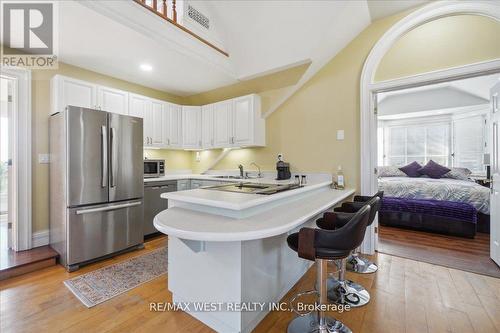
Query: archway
x=369 y=87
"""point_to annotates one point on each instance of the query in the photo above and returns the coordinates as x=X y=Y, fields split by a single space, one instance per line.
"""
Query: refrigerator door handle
x=112 y=135
x=108 y=208
x=104 y=156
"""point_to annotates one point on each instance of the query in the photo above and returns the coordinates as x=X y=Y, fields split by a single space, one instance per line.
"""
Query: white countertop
x=237 y=201
x=201 y=226
x=213 y=177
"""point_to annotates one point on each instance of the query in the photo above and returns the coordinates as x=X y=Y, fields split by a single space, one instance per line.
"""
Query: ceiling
x=382 y=8
x=442 y=98
x=116 y=37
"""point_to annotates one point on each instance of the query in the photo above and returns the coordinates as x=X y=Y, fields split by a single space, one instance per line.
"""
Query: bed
x=445 y=205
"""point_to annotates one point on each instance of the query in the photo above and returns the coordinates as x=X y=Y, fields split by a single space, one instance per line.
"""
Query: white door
x=191 y=127
x=207 y=126
x=140 y=106
x=495 y=174
x=222 y=124
x=76 y=93
x=112 y=100
x=243 y=116
x=157 y=123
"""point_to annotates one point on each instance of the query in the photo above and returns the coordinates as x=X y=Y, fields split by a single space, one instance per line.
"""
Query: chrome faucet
x=241 y=170
x=259 y=175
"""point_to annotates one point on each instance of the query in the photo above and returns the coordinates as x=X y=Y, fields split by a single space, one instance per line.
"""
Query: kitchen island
x=229 y=249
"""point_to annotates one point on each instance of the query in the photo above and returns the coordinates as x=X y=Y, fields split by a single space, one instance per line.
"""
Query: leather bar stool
x=356 y=263
x=321 y=246
x=341 y=290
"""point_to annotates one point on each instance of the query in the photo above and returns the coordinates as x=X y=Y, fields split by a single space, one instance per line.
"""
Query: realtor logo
x=28 y=34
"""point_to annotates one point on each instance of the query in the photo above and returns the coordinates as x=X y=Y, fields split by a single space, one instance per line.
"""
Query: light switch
x=340 y=134
x=44 y=158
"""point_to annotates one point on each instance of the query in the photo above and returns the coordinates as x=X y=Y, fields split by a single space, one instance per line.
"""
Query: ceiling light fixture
x=146 y=67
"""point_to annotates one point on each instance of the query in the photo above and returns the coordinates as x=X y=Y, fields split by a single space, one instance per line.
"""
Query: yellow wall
x=40 y=130
x=304 y=128
x=444 y=43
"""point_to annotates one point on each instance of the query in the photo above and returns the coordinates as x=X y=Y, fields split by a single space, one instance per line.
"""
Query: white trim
x=40 y=238
x=22 y=158
x=369 y=88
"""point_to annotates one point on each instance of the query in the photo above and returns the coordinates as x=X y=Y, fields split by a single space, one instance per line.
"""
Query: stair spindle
x=164 y=9
x=174 y=11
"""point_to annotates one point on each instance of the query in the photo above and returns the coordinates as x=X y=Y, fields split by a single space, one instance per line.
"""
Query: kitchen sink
x=253 y=188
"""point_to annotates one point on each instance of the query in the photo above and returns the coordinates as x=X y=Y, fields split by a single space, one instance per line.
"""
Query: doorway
x=441 y=213
x=7 y=93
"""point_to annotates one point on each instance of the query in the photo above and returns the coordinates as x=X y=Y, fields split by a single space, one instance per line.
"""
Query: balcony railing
x=161 y=8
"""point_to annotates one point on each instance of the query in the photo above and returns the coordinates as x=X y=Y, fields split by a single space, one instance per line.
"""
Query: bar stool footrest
x=310 y=324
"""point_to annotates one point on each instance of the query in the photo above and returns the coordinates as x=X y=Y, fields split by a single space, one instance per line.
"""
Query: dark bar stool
x=321 y=246
x=340 y=290
x=356 y=263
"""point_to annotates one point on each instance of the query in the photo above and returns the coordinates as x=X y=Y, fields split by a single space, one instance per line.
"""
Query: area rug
x=105 y=283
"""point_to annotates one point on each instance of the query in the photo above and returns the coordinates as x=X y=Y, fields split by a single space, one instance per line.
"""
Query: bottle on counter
x=340 y=178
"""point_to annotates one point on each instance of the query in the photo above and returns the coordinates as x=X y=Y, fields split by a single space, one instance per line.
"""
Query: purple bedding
x=454 y=210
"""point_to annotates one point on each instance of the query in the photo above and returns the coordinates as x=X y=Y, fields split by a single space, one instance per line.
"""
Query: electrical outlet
x=280 y=156
x=340 y=135
x=43 y=158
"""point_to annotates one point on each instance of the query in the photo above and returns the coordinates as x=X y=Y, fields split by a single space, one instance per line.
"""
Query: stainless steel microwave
x=154 y=168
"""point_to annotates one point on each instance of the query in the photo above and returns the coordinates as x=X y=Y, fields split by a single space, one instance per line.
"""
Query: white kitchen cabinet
x=157 y=122
x=207 y=126
x=172 y=127
x=248 y=126
x=242 y=120
x=191 y=127
x=222 y=124
x=68 y=91
x=235 y=122
x=112 y=100
x=140 y=106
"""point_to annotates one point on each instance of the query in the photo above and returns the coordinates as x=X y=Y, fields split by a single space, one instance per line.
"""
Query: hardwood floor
x=16 y=263
x=471 y=255
x=407 y=296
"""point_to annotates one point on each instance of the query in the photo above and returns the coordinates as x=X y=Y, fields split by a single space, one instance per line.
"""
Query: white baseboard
x=40 y=238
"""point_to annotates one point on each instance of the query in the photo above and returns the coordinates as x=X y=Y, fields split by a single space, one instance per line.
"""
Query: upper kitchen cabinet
x=233 y=123
x=207 y=126
x=247 y=122
x=222 y=124
x=191 y=127
x=141 y=106
x=68 y=91
x=158 y=110
x=112 y=100
x=172 y=125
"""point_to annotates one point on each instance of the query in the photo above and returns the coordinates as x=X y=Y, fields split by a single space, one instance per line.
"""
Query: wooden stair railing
x=152 y=5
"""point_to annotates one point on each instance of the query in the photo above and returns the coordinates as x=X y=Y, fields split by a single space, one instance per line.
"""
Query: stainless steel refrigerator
x=96 y=184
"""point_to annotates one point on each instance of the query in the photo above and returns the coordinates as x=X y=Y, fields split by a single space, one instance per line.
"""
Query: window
x=417 y=142
x=469 y=143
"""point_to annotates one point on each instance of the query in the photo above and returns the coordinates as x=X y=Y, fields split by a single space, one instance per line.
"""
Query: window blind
x=468 y=143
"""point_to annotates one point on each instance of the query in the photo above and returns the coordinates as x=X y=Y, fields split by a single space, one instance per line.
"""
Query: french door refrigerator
x=96 y=184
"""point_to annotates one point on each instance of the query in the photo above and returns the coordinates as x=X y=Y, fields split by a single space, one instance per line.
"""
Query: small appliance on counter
x=154 y=168
x=283 y=169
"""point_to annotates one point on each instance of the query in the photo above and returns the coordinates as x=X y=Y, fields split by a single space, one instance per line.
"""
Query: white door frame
x=21 y=157
x=369 y=88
